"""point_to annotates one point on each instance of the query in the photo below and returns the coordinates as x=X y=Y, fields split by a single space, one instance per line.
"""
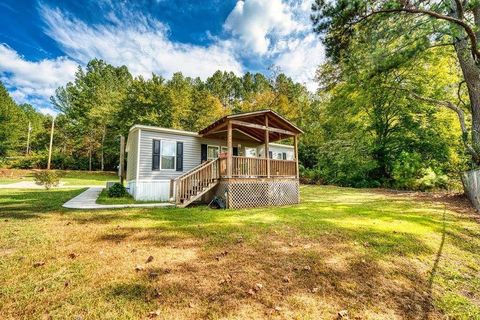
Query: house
x=235 y=158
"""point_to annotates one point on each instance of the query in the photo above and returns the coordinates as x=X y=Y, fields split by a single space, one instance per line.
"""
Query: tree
x=11 y=124
x=93 y=101
x=412 y=27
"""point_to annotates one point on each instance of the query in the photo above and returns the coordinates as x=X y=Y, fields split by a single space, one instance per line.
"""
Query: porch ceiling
x=251 y=126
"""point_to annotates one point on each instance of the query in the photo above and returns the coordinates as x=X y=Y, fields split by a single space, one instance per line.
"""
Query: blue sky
x=43 y=42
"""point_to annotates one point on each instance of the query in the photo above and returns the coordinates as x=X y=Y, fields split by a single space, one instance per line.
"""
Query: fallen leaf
x=41 y=289
x=139 y=268
x=258 y=287
x=154 y=314
x=66 y=284
x=343 y=314
x=314 y=290
x=286 y=279
x=149 y=259
x=133 y=250
x=38 y=264
x=72 y=255
x=277 y=308
x=153 y=275
x=191 y=305
x=68 y=223
x=251 y=292
x=307 y=268
x=156 y=293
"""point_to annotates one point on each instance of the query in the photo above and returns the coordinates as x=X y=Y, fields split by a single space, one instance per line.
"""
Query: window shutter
x=270 y=154
x=203 y=153
x=156 y=155
x=179 y=156
x=235 y=151
x=284 y=156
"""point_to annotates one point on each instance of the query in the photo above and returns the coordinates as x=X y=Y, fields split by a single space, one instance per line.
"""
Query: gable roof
x=253 y=125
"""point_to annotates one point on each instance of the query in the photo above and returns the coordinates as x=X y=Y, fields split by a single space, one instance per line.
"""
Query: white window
x=168 y=154
x=212 y=152
x=250 y=152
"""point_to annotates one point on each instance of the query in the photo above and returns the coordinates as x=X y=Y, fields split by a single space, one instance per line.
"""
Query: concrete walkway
x=88 y=198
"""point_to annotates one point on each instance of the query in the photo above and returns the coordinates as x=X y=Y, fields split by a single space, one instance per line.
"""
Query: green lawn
x=378 y=255
x=70 y=177
x=76 y=178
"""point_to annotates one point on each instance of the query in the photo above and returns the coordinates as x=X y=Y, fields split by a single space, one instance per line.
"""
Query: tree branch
x=460 y=115
x=470 y=32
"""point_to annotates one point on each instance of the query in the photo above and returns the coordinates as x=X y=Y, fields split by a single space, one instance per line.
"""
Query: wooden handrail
x=193 y=182
x=257 y=167
x=194 y=169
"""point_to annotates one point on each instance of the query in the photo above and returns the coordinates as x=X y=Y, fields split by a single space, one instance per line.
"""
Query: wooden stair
x=192 y=185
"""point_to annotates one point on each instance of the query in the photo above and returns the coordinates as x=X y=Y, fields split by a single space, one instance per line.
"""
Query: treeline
x=104 y=102
x=359 y=130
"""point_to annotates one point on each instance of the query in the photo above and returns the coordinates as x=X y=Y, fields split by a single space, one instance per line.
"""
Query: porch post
x=230 y=150
x=295 y=152
x=267 y=156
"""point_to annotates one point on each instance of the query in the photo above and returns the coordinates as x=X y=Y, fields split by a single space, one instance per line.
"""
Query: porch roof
x=251 y=125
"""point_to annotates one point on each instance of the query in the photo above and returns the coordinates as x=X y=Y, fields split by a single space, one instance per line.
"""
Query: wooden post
x=267 y=138
x=295 y=152
x=51 y=144
x=122 y=159
x=230 y=150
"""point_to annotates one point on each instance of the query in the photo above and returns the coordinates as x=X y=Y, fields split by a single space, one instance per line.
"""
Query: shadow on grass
x=28 y=204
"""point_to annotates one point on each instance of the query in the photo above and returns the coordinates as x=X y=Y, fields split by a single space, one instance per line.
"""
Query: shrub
x=47 y=178
x=117 y=191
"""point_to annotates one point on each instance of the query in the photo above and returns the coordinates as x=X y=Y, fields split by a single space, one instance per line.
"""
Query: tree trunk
x=104 y=133
x=471 y=75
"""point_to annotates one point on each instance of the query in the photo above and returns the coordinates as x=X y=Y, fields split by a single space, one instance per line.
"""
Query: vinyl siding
x=191 y=153
x=132 y=155
x=276 y=149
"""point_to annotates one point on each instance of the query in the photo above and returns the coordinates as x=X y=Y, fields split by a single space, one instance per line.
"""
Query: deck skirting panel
x=251 y=193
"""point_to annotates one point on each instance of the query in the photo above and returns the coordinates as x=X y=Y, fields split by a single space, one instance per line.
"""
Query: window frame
x=174 y=156
x=213 y=146
x=251 y=148
x=159 y=155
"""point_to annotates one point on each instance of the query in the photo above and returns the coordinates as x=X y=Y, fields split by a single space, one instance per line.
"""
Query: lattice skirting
x=249 y=193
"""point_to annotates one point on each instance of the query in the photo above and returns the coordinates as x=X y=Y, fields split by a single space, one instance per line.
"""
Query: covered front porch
x=261 y=128
x=253 y=178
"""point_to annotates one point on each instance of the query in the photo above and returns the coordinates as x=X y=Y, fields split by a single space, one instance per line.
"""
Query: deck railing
x=195 y=180
x=249 y=167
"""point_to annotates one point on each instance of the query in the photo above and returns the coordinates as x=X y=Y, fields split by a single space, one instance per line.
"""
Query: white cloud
x=301 y=60
x=29 y=81
x=258 y=22
x=137 y=41
x=280 y=32
x=269 y=32
x=48 y=111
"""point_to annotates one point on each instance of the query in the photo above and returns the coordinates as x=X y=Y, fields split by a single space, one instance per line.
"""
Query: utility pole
x=28 y=137
x=51 y=143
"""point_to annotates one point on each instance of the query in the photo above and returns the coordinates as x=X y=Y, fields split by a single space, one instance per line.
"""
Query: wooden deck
x=245 y=181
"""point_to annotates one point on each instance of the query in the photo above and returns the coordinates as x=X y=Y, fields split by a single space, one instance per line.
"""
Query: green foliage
x=117 y=190
x=47 y=178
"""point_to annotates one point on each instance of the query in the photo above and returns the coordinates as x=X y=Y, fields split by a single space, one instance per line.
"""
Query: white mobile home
x=161 y=160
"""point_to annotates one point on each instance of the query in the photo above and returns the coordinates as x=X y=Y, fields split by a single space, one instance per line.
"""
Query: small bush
x=47 y=178
x=117 y=191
